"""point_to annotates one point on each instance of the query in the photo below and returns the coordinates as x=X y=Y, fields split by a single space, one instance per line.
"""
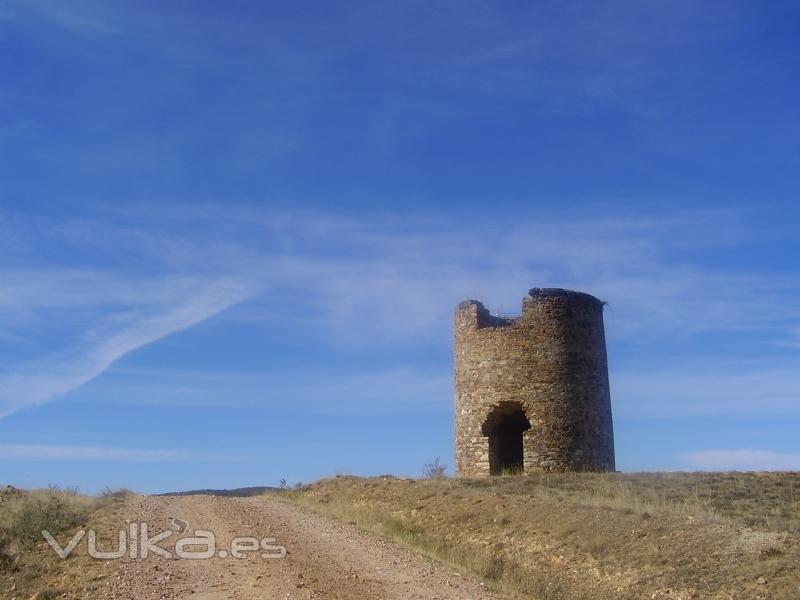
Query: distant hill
x=237 y=493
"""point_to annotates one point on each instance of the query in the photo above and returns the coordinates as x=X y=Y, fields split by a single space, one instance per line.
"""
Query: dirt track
x=325 y=558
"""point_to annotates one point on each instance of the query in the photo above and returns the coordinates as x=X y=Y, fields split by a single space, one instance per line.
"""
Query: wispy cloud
x=81 y=18
x=351 y=282
x=307 y=388
x=711 y=387
x=104 y=453
x=741 y=460
x=108 y=338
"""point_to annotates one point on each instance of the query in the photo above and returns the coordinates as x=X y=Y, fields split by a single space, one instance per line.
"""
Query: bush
x=435 y=470
x=28 y=514
x=109 y=493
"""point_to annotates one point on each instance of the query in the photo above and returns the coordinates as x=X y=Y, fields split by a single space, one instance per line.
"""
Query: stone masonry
x=532 y=391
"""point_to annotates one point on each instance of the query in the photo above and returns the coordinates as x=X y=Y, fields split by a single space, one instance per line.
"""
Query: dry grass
x=763 y=500
x=6 y=554
x=27 y=565
x=589 y=535
x=24 y=515
x=498 y=570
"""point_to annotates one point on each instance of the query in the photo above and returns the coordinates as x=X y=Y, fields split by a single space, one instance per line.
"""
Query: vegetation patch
x=584 y=535
x=28 y=566
x=54 y=510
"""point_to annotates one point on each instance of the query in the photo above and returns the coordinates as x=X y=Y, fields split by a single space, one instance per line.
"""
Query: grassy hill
x=580 y=536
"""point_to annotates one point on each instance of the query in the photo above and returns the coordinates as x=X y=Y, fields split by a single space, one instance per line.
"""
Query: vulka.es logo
x=135 y=542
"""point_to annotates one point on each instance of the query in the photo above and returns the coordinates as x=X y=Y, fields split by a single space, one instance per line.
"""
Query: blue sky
x=232 y=235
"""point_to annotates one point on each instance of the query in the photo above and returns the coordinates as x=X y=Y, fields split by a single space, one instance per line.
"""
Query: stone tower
x=532 y=391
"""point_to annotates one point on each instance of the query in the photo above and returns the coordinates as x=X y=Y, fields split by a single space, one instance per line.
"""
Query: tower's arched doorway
x=504 y=427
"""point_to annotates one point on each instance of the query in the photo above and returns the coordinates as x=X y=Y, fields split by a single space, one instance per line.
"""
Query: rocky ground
x=325 y=558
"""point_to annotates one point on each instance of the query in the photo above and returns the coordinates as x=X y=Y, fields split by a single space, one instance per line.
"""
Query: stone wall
x=548 y=363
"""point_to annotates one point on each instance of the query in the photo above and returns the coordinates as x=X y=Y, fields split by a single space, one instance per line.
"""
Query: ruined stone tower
x=532 y=391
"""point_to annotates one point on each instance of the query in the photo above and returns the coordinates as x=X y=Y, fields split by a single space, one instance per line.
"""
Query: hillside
x=548 y=537
x=582 y=536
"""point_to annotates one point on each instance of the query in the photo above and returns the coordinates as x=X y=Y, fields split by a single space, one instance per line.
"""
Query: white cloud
x=358 y=283
x=741 y=460
x=103 y=453
x=309 y=388
x=37 y=382
x=712 y=387
x=80 y=18
x=358 y=277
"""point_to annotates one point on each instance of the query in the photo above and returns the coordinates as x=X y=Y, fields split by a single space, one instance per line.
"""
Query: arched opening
x=504 y=427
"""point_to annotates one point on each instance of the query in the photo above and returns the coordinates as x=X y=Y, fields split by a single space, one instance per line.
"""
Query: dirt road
x=324 y=559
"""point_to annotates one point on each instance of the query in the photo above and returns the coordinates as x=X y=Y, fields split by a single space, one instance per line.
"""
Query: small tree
x=435 y=470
